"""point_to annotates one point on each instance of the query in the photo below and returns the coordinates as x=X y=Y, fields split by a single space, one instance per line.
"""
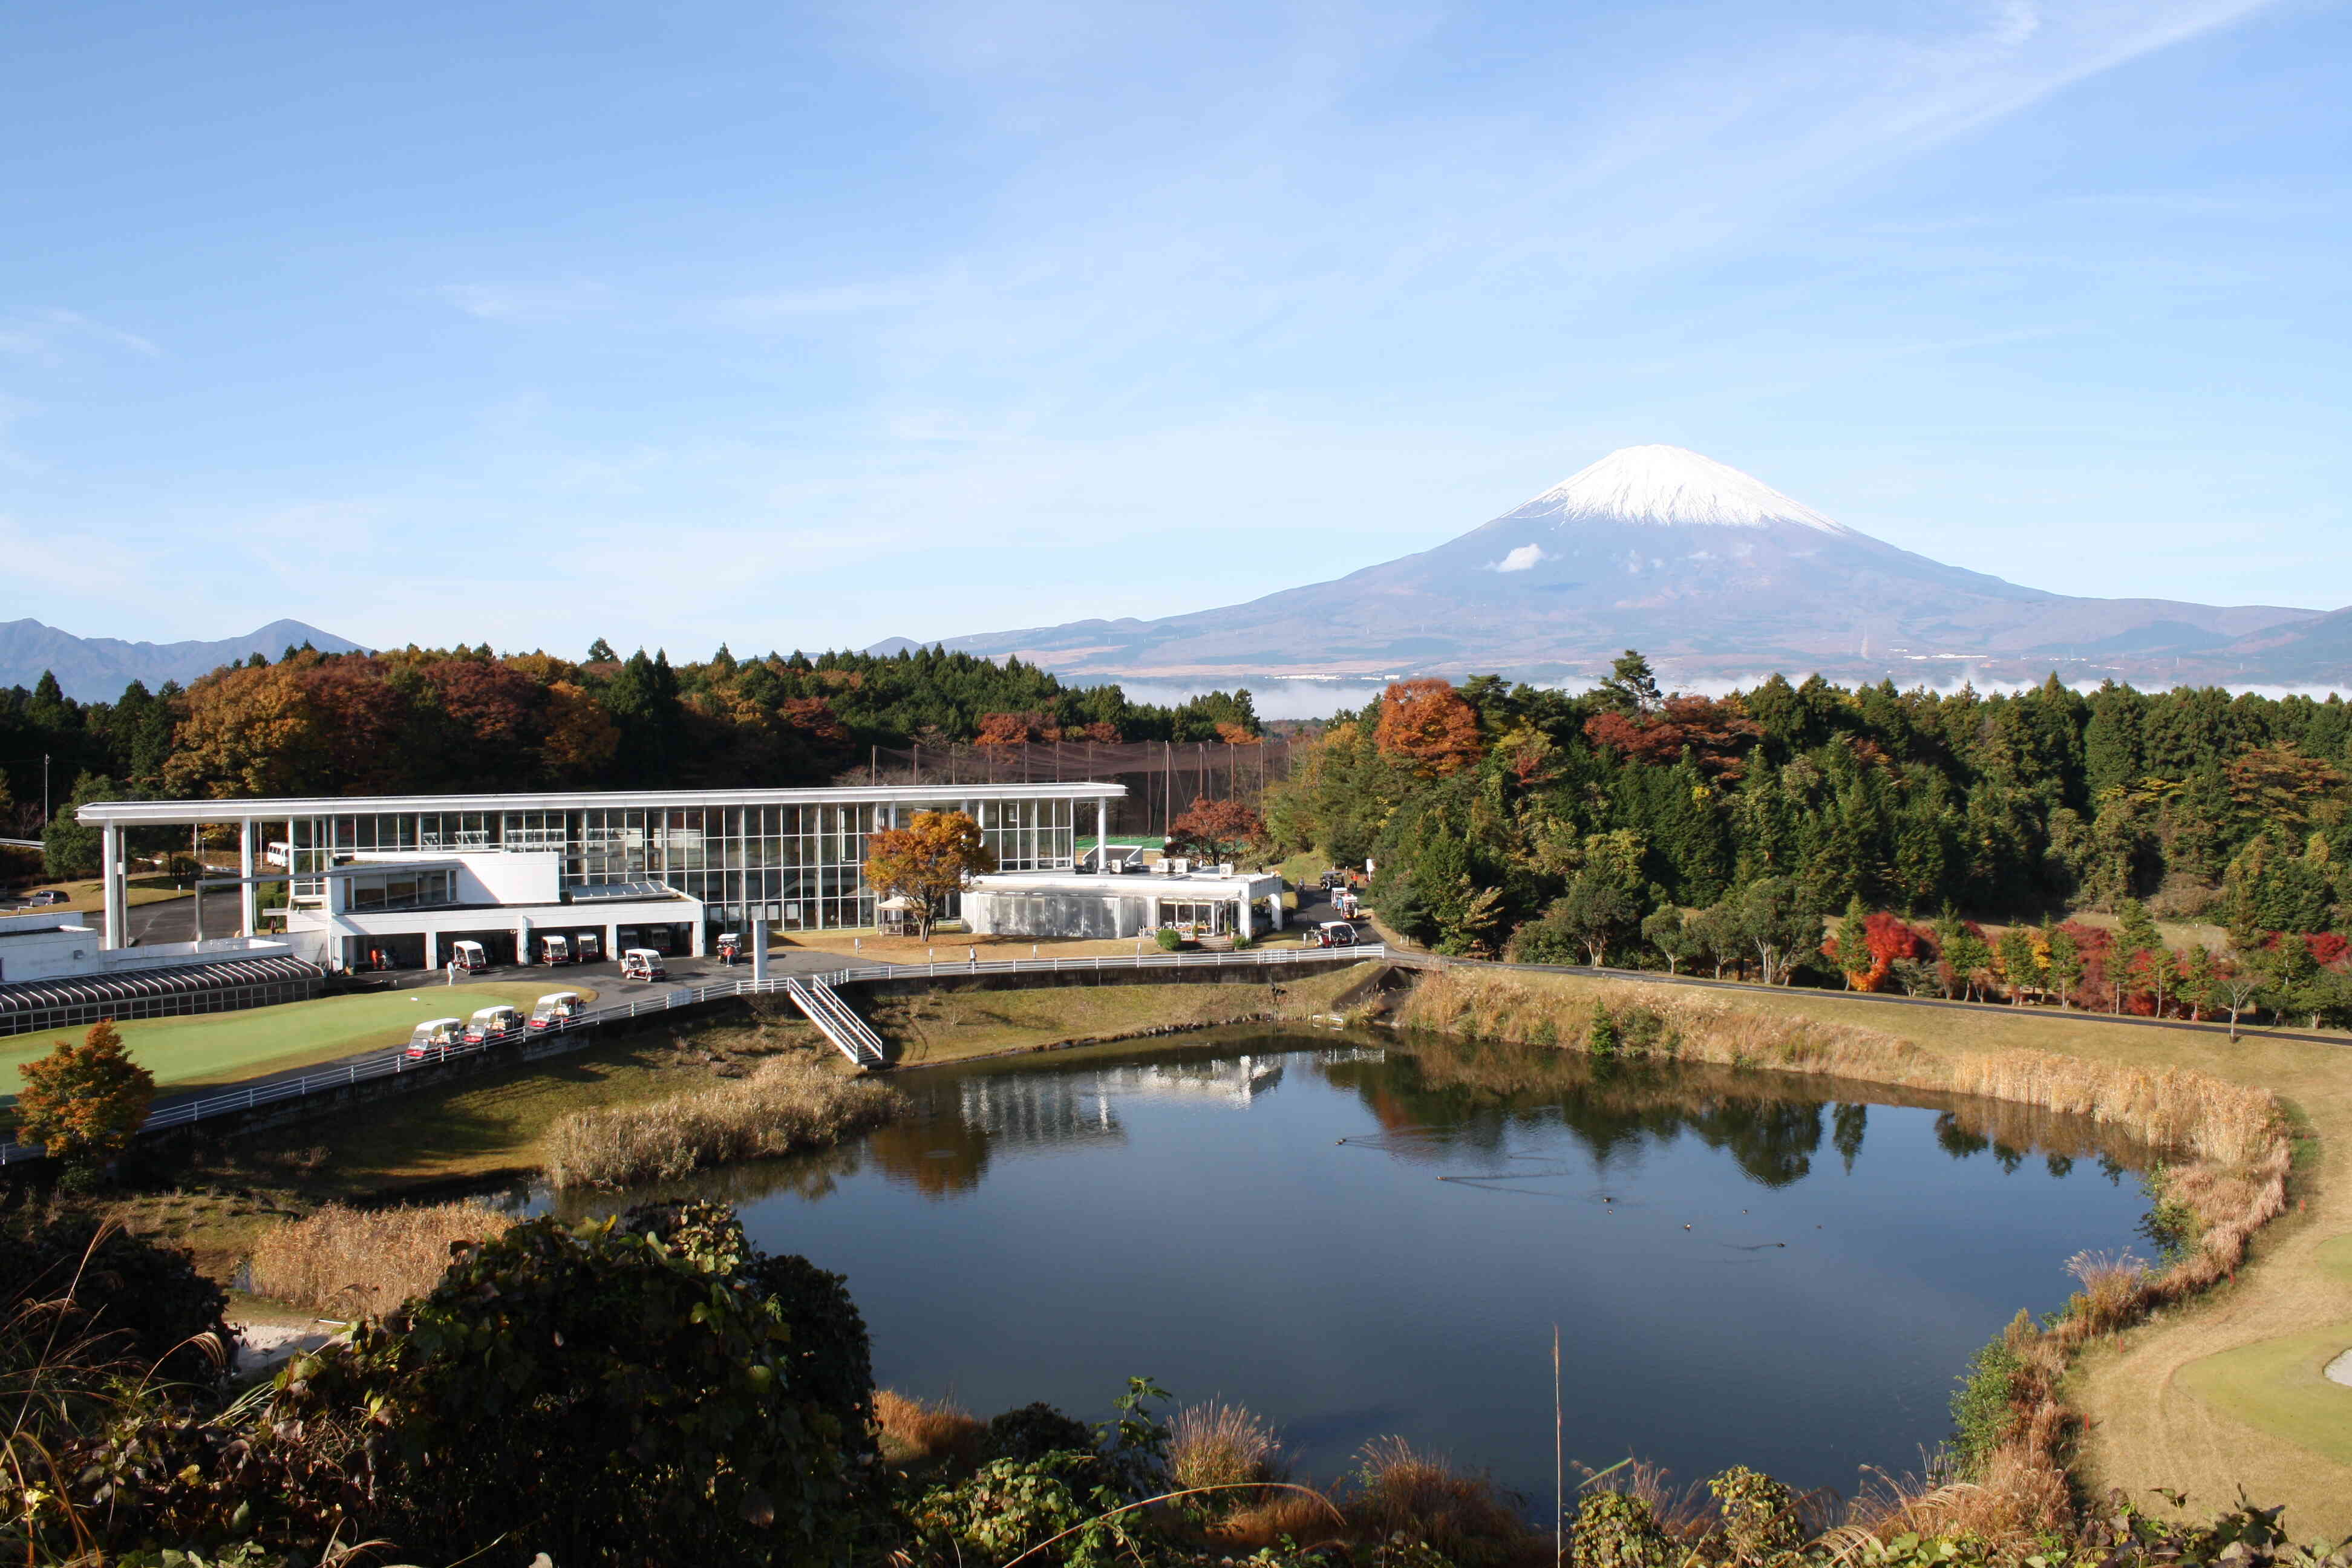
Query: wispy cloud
x=529 y=304
x=49 y=337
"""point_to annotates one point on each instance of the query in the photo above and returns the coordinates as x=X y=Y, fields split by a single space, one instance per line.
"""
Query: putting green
x=2278 y=1386
x=2335 y=1257
x=220 y=1047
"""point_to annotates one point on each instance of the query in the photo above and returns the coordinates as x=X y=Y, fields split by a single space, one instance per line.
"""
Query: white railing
x=391 y=1063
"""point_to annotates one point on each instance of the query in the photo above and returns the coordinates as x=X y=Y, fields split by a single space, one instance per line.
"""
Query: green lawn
x=2277 y=1385
x=218 y=1048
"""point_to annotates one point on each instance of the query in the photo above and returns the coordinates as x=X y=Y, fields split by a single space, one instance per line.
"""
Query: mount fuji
x=1709 y=571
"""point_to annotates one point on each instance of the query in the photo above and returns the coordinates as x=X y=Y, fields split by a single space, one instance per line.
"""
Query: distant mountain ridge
x=96 y=669
x=1713 y=574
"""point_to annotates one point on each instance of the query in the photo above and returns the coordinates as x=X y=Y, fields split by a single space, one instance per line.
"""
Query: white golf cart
x=435 y=1037
x=491 y=1025
x=643 y=964
x=556 y=1010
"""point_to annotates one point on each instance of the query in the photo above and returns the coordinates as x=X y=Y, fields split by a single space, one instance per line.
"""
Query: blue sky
x=809 y=325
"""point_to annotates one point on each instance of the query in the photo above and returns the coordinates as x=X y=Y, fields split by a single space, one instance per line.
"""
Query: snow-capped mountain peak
x=1670 y=487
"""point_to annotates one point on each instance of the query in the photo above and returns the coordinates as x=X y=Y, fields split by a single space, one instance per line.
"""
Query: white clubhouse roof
x=183 y=812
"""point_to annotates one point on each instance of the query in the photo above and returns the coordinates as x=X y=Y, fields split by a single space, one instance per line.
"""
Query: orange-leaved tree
x=1427 y=726
x=926 y=861
x=82 y=1103
x=1216 y=829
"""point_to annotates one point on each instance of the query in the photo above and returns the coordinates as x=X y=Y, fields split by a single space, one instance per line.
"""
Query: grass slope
x=931 y=1028
x=220 y=1047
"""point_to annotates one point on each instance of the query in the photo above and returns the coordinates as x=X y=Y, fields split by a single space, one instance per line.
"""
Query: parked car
x=643 y=964
x=45 y=898
x=556 y=1010
x=435 y=1037
x=469 y=956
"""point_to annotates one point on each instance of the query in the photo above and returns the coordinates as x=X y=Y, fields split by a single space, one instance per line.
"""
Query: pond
x=1358 y=1237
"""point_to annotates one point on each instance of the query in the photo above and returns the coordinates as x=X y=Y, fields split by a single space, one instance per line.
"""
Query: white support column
x=248 y=895
x=1246 y=917
x=432 y=948
x=111 y=927
x=699 y=946
x=758 y=933
x=1102 y=833
x=522 y=942
x=1274 y=904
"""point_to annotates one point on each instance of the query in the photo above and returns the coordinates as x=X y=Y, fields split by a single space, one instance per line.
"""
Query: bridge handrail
x=388 y=1063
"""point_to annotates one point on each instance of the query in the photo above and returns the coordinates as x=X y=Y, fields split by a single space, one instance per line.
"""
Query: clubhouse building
x=391 y=881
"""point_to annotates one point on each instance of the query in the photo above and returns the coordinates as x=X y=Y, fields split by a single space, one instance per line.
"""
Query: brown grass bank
x=348 y=1261
x=787 y=1104
x=2229 y=1142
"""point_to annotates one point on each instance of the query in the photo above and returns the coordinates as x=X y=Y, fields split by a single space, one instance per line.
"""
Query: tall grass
x=926 y=1431
x=2230 y=1178
x=352 y=1261
x=1217 y=1444
x=787 y=1104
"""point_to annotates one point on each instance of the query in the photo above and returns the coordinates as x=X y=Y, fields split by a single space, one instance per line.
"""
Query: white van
x=469 y=956
x=435 y=1037
x=493 y=1024
x=643 y=964
x=553 y=949
x=556 y=1010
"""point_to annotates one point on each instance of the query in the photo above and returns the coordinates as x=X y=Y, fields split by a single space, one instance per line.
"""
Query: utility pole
x=45 y=791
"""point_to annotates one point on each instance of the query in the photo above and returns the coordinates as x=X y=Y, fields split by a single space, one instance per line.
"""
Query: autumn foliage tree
x=82 y=1103
x=1426 y=725
x=927 y=861
x=1215 y=830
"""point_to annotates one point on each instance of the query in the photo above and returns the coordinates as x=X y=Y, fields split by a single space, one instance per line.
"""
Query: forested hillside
x=1505 y=817
x=466 y=719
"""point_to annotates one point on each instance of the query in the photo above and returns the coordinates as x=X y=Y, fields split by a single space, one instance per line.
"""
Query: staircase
x=855 y=1037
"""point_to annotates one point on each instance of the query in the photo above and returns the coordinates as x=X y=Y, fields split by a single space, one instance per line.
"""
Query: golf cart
x=435 y=1037
x=643 y=964
x=493 y=1024
x=556 y=1010
x=469 y=956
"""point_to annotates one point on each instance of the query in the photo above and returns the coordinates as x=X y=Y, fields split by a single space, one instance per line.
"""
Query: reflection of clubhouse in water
x=948 y=1151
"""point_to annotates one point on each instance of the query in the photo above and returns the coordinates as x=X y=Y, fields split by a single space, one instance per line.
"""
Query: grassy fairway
x=220 y=1047
x=2277 y=1386
x=2152 y=1422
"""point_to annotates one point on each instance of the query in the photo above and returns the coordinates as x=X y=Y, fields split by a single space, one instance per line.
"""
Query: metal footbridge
x=850 y=1034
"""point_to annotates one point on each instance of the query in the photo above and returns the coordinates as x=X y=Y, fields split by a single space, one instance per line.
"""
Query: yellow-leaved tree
x=83 y=1103
x=925 y=862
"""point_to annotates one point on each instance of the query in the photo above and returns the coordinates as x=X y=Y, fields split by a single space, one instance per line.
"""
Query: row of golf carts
x=438 y=1037
x=636 y=964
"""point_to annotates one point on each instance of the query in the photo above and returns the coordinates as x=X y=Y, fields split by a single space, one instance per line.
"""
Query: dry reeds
x=352 y=1261
x=790 y=1103
x=1217 y=1444
x=926 y=1431
x=1467 y=1518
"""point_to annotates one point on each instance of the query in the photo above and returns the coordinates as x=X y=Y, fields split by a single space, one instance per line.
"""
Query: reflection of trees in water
x=938 y=1155
x=1451 y=1095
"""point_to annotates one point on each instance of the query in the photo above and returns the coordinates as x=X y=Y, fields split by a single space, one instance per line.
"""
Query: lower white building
x=1210 y=901
x=54 y=975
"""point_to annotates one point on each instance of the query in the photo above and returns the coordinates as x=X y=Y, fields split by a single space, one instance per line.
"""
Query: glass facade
x=798 y=867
